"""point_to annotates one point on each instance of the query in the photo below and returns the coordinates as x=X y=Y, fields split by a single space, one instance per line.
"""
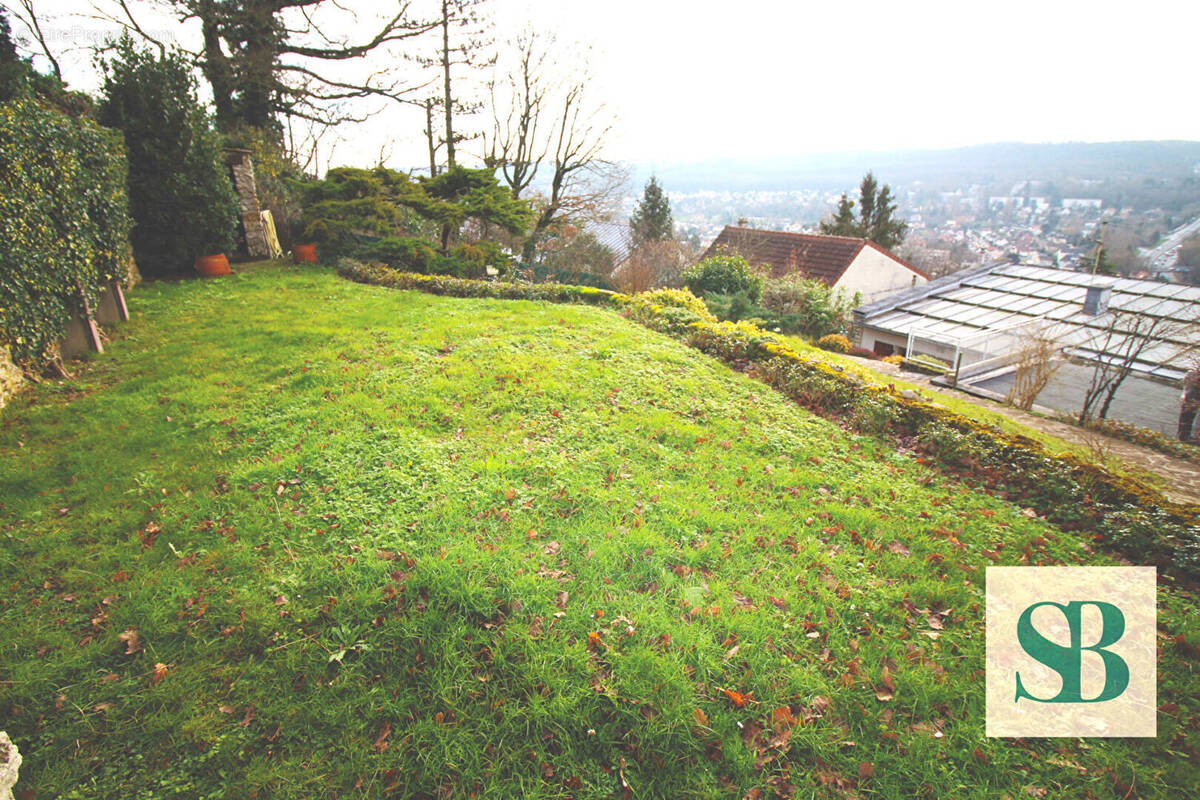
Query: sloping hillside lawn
x=293 y=537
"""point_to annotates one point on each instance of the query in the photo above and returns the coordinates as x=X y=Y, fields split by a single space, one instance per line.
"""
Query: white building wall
x=870 y=336
x=876 y=274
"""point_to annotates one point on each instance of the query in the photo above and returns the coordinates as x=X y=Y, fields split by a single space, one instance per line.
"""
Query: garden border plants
x=1120 y=513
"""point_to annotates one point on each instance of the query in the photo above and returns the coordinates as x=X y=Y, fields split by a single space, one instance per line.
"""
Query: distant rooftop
x=815 y=256
x=1003 y=297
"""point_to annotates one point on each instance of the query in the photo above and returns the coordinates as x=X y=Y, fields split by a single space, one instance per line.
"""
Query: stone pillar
x=241 y=170
x=10 y=761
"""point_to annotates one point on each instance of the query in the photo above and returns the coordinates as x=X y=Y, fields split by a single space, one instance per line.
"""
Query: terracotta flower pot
x=212 y=266
x=304 y=253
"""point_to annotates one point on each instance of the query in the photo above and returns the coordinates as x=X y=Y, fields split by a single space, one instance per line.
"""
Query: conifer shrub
x=180 y=194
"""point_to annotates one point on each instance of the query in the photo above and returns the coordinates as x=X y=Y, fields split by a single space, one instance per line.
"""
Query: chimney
x=1097 y=300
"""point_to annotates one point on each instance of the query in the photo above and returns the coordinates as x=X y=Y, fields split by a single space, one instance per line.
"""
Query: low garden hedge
x=1122 y=514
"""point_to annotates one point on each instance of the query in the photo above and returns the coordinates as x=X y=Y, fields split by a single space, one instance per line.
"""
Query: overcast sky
x=700 y=80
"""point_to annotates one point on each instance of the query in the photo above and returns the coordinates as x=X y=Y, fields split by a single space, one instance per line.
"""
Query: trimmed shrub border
x=1136 y=435
x=1121 y=513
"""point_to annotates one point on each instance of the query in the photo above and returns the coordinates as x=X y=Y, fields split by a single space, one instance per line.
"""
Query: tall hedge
x=64 y=222
x=180 y=194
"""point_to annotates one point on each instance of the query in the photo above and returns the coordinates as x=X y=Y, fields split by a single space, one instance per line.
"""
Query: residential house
x=840 y=262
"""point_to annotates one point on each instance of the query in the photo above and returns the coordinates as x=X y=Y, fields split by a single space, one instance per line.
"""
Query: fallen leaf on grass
x=887 y=690
x=594 y=640
x=160 y=672
x=738 y=698
x=782 y=717
x=701 y=717
x=866 y=770
x=381 y=740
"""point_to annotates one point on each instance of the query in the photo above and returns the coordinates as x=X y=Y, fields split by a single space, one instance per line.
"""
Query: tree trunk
x=446 y=82
x=429 y=137
x=1112 y=391
x=219 y=75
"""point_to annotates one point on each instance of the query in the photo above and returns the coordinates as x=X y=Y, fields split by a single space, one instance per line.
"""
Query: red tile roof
x=823 y=258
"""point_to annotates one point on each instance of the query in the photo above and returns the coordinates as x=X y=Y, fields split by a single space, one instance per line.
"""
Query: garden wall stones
x=112 y=306
x=10 y=762
x=241 y=171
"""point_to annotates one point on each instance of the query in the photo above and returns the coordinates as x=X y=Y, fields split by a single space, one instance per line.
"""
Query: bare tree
x=651 y=265
x=465 y=43
x=1124 y=340
x=548 y=125
x=267 y=59
x=1038 y=357
x=27 y=15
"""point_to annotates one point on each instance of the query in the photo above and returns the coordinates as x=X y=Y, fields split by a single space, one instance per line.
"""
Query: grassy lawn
x=293 y=537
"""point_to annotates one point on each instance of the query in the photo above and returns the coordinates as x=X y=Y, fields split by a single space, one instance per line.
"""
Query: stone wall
x=241 y=170
x=10 y=763
x=11 y=379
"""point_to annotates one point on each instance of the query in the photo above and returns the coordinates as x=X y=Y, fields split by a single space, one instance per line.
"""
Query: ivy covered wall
x=64 y=223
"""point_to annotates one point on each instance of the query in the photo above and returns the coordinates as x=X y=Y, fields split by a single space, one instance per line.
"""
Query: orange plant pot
x=212 y=266
x=304 y=253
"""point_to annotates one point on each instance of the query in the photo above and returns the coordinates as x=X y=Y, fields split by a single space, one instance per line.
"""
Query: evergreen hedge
x=64 y=223
x=180 y=194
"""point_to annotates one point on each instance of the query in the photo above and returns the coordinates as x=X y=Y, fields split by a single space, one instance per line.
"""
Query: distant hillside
x=982 y=164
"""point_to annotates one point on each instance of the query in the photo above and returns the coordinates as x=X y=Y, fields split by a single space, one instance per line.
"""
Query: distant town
x=959 y=220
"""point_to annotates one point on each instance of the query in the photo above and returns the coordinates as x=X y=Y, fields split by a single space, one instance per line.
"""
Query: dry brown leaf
x=381 y=740
x=130 y=637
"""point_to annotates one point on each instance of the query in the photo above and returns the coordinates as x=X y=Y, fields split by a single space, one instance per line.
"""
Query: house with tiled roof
x=840 y=262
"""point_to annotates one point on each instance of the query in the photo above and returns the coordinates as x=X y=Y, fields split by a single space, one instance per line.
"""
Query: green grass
x=367 y=533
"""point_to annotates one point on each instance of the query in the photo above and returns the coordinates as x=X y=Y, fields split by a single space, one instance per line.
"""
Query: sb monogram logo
x=1071 y=651
x=1068 y=661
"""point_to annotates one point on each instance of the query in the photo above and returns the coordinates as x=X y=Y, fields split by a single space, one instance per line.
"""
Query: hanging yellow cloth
x=268 y=223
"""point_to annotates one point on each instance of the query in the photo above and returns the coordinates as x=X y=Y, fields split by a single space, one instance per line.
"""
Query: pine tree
x=651 y=220
x=884 y=230
x=866 y=202
x=875 y=219
x=843 y=222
